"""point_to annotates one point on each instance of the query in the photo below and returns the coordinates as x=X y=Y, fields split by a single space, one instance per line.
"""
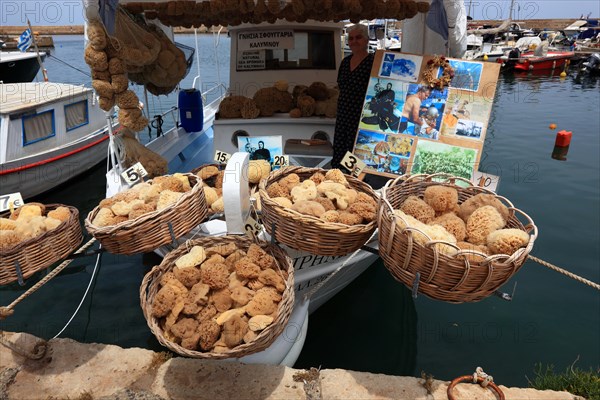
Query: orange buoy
x=563 y=138
x=552 y=126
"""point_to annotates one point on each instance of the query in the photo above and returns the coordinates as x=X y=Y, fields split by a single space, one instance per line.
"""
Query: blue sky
x=70 y=12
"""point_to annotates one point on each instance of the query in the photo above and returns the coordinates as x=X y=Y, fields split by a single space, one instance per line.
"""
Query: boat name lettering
x=312 y=260
x=283 y=39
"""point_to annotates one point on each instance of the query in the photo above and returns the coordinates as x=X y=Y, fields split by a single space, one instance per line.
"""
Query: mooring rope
x=565 y=272
x=39 y=350
x=8 y=310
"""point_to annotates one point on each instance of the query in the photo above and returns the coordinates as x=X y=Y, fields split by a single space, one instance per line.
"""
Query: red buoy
x=563 y=138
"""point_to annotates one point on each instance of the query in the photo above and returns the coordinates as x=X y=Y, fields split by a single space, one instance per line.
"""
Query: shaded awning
x=189 y=13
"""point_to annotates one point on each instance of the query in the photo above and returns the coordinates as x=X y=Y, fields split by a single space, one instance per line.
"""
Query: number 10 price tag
x=486 y=181
x=354 y=164
x=134 y=173
x=11 y=201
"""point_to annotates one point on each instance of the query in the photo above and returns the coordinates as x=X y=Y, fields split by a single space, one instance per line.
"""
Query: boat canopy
x=188 y=13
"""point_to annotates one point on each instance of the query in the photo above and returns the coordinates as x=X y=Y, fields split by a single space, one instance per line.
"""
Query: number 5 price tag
x=486 y=181
x=354 y=164
x=134 y=173
x=281 y=161
x=11 y=201
x=221 y=157
x=252 y=227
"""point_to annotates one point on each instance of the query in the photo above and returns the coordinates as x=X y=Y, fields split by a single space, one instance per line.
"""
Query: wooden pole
x=44 y=72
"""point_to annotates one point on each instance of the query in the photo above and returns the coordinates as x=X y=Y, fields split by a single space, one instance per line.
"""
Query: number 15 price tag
x=354 y=164
x=221 y=157
x=134 y=173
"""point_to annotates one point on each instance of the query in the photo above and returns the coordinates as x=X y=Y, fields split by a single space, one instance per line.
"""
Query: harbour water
x=374 y=324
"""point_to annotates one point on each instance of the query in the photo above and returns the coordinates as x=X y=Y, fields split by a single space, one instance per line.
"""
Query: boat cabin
x=46 y=133
x=298 y=53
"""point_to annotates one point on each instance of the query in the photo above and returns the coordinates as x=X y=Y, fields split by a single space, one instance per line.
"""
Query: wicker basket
x=42 y=251
x=308 y=233
x=151 y=230
x=150 y=287
x=444 y=277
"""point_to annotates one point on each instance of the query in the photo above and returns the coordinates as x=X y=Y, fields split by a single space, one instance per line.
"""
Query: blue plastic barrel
x=191 y=113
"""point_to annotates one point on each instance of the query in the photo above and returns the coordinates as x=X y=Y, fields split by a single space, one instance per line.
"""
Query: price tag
x=134 y=173
x=252 y=227
x=281 y=161
x=11 y=201
x=486 y=181
x=222 y=157
x=354 y=164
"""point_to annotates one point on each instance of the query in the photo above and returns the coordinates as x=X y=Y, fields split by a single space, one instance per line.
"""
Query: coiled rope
x=565 y=272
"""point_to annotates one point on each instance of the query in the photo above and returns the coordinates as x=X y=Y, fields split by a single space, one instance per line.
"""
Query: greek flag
x=25 y=40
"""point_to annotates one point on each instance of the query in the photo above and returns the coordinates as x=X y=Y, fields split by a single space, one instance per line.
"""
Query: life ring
x=469 y=378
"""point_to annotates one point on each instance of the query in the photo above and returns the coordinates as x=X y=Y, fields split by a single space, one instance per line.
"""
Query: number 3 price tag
x=281 y=161
x=222 y=157
x=486 y=181
x=134 y=173
x=354 y=164
x=252 y=227
x=11 y=201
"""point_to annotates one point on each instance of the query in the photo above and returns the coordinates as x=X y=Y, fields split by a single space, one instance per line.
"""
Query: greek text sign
x=257 y=40
x=251 y=60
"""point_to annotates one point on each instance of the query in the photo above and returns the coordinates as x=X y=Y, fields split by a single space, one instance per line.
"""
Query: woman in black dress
x=353 y=79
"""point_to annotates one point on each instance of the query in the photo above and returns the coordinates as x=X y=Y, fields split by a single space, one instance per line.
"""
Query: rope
x=565 y=272
x=8 y=310
x=51 y=57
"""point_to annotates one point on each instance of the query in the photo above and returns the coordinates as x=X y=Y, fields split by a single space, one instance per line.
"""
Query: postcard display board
x=407 y=127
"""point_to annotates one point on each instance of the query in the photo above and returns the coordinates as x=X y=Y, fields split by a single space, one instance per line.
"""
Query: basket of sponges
x=323 y=212
x=456 y=241
x=219 y=297
x=149 y=214
x=35 y=236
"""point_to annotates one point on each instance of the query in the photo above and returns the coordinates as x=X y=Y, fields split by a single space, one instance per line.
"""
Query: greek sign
x=251 y=60
x=257 y=40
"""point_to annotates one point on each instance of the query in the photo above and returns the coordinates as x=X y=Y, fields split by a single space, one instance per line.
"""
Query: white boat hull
x=42 y=172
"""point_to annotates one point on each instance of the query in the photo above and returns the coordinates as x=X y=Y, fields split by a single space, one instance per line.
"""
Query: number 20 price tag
x=8 y=201
x=221 y=157
x=354 y=164
x=281 y=161
x=134 y=173
x=252 y=227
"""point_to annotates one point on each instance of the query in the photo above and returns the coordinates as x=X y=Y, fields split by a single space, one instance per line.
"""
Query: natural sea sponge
x=257 y=170
x=367 y=211
x=308 y=207
x=482 y=199
x=246 y=269
x=482 y=222
x=418 y=208
x=307 y=190
x=336 y=175
x=209 y=333
x=441 y=198
x=7 y=224
x=61 y=213
x=215 y=275
x=96 y=59
x=9 y=238
x=260 y=257
x=231 y=106
x=127 y=99
x=272 y=278
x=318 y=91
x=507 y=241
x=435 y=232
x=453 y=224
x=164 y=301
x=96 y=35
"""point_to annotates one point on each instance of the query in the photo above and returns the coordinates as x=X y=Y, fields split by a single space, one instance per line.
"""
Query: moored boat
x=530 y=62
x=16 y=66
x=50 y=133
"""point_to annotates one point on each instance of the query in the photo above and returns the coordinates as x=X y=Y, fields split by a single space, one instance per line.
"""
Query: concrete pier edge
x=73 y=370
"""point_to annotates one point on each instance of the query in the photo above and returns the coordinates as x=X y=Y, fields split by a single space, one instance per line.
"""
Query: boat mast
x=44 y=72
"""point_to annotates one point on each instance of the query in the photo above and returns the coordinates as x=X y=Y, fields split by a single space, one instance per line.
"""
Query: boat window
x=38 y=127
x=76 y=114
x=312 y=50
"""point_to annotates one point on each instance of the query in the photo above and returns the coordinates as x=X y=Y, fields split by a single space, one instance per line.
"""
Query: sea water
x=374 y=324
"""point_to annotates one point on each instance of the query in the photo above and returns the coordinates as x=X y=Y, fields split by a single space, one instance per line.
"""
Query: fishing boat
x=50 y=133
x=306 y=51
